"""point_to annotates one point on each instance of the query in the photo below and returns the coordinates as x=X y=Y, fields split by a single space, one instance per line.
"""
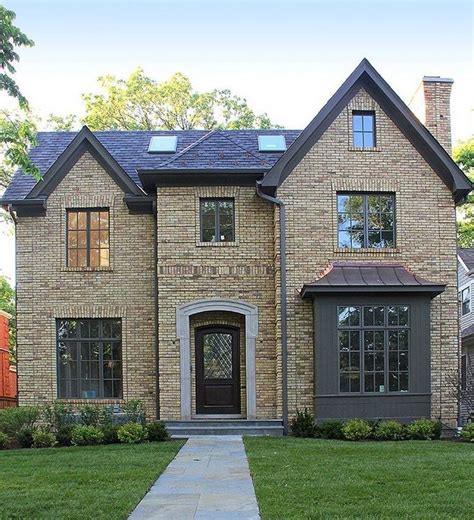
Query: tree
x=65 y=123
x=141 y=103
x=463 y=154
x=17 y=132
x=8 y=304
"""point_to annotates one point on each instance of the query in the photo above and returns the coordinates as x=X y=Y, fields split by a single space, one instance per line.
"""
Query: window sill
x=369 y=250
x=87 y=269
x=77 y=400
x=216 y=244
x=360 y=149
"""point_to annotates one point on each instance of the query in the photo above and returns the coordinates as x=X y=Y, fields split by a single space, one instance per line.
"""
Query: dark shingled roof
x=369 y=277
x=196 y=149
x=467 y=256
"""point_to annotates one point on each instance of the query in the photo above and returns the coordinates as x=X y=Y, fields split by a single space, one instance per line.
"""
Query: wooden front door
x=217 y=370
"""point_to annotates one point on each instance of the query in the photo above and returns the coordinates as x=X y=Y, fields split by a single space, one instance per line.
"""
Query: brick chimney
x=431 y=104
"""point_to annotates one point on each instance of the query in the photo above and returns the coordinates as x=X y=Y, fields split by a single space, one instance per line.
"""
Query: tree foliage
x=17 y=132
x=8 y=304
x=463 y=154
x=141 y=103
x=65 y=123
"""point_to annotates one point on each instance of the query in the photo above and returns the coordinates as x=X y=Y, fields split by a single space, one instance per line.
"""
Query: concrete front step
x=224 y=427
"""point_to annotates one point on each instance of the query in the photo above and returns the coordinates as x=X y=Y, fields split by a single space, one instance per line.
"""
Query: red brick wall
x=7 y=373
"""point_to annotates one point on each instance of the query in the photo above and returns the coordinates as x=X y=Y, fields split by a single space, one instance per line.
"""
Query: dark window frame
x=362 y=328
x=366 y=195
x=88 y=212
x=79 y=340
x=363 y=132
x=217 y=234
x=465 y=303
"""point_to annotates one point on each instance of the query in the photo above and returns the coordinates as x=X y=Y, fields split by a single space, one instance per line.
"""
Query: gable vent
x=271 y=143
x=163 y=144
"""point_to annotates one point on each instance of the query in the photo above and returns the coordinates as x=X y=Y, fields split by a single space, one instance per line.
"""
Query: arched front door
x=217 y=370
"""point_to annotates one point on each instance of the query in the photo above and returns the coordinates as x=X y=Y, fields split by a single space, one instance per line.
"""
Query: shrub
x=468 y=432
x=132 y=433
x=58 y=415
x=84 y=435
x=356 y=430
x=389 y=431
x=3 y=440
x=135 y=411
x=12 y=420
x=330 y=430
x=157 y=431
x=302 y=425
x=422 y=429
x=111 y=433
x=24 y=437
x=438 y=428
x=43 y=439
x=64 y=435
x=94 y=415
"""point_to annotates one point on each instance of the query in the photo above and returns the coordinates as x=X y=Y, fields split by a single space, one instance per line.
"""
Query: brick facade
x=245 y=270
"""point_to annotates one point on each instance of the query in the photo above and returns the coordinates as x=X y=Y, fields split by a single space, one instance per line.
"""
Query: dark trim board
x=330 y=403
x=365 y=76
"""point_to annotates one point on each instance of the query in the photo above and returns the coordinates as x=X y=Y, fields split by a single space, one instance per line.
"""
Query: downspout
x=155 y=295
x=283 y=291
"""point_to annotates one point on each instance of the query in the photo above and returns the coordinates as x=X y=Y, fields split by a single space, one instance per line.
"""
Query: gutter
x=283 y=290
x=155 y=297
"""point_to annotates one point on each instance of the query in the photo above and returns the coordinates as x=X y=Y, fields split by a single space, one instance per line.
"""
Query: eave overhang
x=140 y=204
x=25 y=207
x=151 y=179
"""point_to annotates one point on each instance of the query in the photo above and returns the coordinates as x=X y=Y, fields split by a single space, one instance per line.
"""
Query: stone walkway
x=208 y=480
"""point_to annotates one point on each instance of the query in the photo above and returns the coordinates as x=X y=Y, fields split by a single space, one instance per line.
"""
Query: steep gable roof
x=466 y=256
x=367 y=77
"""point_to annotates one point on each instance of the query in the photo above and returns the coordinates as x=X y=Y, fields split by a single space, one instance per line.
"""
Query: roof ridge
x=241 y=147
x=184 y=151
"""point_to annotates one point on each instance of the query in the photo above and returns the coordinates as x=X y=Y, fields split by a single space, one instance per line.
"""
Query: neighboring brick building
x=161 y=257
x=7 y=370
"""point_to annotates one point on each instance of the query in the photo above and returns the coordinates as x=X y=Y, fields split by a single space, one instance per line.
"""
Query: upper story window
x=366 y=220
x=466 y=301
x=88 y=238
x=89 y=359
x=373 y=344
x=363 y=129
x=217 y=220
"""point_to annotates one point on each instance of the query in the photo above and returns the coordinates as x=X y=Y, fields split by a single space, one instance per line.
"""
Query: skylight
x=271 y=143
x=163 y=144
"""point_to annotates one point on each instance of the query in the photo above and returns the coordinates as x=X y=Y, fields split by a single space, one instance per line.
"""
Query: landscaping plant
x=12 y=420
x=422 y=429
x=135 y=411
x=468 y=433
x=24 y=437
x=389 y=431
x=3 y=440
x=157 y=431
x=43 y=439
x=131 y=433
x=58 y=416
x=64 y=435
x=330 y=430
x=94 y=415
x=356 y=430
x=84 y=435
x=110 y=433
x=302 y=425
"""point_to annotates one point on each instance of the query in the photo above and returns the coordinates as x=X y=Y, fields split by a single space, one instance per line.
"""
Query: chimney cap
x=437 y=79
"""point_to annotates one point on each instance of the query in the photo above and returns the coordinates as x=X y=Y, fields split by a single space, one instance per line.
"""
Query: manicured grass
x=312 y=478
x=86 y=482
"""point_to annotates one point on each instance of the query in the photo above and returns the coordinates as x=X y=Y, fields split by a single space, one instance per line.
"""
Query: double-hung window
x=366 y=220
x=88 y=238
x=89 y=358
x=466 y=301
x=373 y=345
x=217 y=220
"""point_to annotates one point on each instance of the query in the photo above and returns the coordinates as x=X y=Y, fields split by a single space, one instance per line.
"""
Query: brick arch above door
x=183 y=332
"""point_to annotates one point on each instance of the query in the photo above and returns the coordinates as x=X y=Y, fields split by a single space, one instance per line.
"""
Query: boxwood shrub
x=356 y=430
x=132 y=432
x=157 y=431
x=330 y=430
x=422 y=429
x=468 y=432
x=43 y=439
x=3 y=440
x=302 y=425
x=83 y=435
x=389 y=431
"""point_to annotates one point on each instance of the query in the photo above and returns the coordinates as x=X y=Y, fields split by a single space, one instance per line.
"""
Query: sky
x=285 y=57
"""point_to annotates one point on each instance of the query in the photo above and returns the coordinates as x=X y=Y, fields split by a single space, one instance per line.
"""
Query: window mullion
x=366 y=221
x=101 y=367
x=88 y=238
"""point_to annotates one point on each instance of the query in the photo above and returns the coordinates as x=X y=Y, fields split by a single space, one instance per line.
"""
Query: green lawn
x=87 y=482
x=311 y=478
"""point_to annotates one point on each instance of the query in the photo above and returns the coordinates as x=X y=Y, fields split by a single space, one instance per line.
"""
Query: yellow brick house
x=228 y=278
